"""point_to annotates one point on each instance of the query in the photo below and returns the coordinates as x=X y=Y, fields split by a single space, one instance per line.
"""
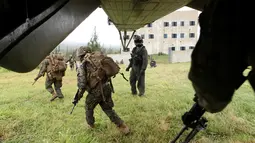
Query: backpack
x=99 y=67
x=57 y=64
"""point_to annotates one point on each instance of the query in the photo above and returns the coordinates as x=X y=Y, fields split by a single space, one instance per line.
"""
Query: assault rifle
x=39 y=75
x=75 y=101
x=192 y=119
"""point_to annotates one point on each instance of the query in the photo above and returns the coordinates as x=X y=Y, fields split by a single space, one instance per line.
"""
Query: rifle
x=73 y=108
x=130 y=63
x=192 y=119
x=34 y=82
x=124 y=76
x=76 y=99
x=37 y=78
x=111 y=86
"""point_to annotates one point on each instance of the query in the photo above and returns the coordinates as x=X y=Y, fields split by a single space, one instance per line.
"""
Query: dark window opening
x=183 y=48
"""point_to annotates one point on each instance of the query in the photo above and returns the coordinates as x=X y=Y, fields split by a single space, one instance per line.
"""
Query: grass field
x=27 y=116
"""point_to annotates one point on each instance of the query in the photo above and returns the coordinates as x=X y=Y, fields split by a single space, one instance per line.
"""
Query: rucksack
x=99 y=67
x=57 y=64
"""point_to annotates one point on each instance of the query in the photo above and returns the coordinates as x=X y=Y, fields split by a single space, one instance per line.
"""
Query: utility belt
x=97 y=89
x=56 y=76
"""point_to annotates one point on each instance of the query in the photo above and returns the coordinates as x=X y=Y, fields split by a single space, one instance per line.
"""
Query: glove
x=127 y=69
x=36 y=79
x=75 y=102
x=78 y=95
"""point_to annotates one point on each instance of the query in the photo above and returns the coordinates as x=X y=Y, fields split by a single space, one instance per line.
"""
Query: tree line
x=93 y=44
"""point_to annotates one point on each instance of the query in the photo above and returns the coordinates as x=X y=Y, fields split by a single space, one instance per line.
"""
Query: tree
x=93 y=44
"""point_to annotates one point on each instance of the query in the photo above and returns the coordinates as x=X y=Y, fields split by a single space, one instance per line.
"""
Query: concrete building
x=174 y=34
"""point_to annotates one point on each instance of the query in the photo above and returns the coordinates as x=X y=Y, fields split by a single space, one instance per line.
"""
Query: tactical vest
x=137 y=56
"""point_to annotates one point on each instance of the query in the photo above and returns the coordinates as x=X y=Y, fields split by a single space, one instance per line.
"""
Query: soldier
x=121 y=61
x=153 y=63
x=138 y=63
x=99 y=94
x=77 y=56
x=54 y=67
x=71 y=62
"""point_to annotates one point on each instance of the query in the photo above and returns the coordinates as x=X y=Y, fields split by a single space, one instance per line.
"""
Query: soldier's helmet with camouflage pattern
x=82 y=51
x=138 y=40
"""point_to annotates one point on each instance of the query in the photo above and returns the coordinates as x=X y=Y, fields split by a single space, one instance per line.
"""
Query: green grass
x=27 y=116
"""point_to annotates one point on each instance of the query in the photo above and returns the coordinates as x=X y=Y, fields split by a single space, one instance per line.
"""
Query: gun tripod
x=192 y=119
x=198 y=126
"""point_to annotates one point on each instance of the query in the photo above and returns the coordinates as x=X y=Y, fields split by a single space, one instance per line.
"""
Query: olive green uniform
x=138 y=62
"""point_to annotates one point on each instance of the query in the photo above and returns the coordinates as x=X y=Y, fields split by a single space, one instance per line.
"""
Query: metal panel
x=147 y=11
x=29 y=52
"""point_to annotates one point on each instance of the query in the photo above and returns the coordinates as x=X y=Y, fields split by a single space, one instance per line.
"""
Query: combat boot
x=91 y=126
x=54 y=96
x=123 y=129
x=140 y=94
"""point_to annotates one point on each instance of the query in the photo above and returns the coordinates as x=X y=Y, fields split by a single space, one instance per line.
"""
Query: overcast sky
x=107 y=34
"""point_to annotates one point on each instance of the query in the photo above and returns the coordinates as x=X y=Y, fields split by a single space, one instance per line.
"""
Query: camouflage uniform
x=78 y=55
x=96 y=97
x=51 y=78
x=71 y=62
x=138 y=62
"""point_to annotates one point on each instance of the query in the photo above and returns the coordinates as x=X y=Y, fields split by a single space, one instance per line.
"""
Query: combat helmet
x=82 y=51
x=138 y=40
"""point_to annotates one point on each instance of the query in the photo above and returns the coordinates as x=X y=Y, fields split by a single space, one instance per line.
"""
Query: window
x=182 y=35
x=174 y=23
x=142 y=36
x=191 y=35
x=173 y=48
x=150 y=25
x=182 y=48
x=192 y=23
x=191 y=47
x=151 y=36
x=182 y=23
x=174 y=35
x=165 y=35
x=166 y=24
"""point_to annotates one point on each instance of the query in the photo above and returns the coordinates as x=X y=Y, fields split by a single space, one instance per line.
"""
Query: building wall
x=180 y=56
x=162 y=44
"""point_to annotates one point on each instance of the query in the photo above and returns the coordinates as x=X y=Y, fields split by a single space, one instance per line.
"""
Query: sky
x=108 y=34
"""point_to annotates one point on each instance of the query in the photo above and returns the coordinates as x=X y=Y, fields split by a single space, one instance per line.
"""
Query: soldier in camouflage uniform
x=52 y=77
x=138 y=63
x=71 y=62
x=96 y=97
x=76 y=55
